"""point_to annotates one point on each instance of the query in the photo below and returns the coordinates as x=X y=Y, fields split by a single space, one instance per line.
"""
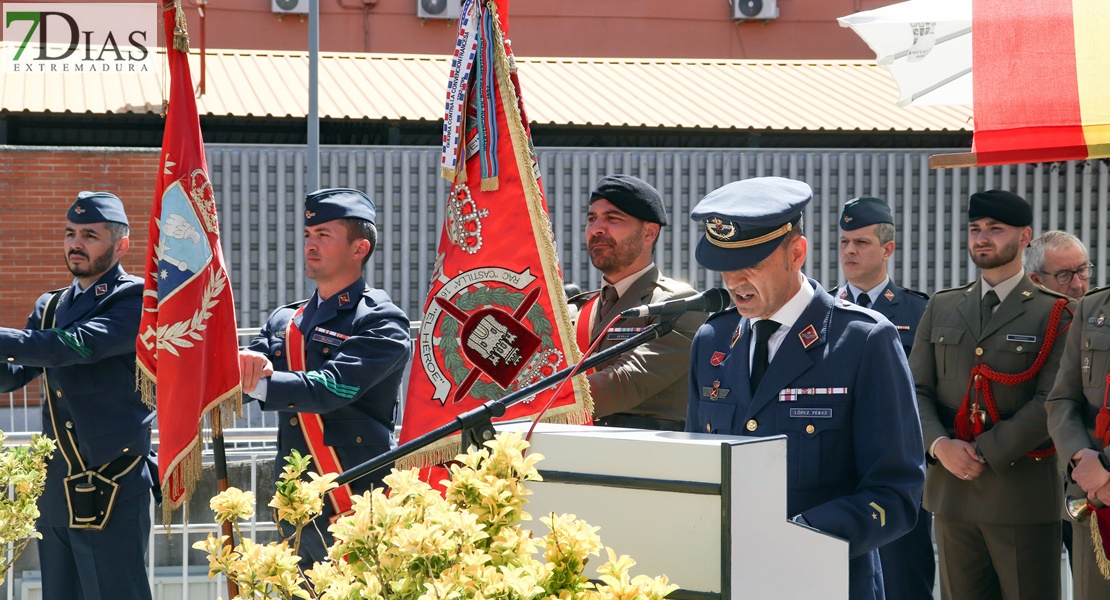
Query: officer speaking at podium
x=829 y=375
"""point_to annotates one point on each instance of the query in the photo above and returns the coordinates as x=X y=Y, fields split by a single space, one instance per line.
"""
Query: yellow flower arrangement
x=414 y=544
x=23 y=470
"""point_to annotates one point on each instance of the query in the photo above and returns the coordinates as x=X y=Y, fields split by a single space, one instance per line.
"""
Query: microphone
x=713 y=300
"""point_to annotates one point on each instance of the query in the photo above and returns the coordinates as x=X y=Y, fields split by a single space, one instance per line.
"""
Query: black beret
x=864 y=211
x=745 y=221
x=633 y=196
x=322 y=206
x=1002 y=206
x=97 y=207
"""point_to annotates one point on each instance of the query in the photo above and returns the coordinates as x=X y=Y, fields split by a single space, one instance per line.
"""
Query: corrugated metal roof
x=727 y=94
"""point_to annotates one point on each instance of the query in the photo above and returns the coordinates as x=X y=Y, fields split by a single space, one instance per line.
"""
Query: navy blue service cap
x=322 y=206
x=746 y=220
x=864 y=211
x=1000 y=205
x=97 y=207
x=633 y=196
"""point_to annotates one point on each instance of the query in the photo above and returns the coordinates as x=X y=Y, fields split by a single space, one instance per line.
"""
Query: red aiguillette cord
x=573 y=373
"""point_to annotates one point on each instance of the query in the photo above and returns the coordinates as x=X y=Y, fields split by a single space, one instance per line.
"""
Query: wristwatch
x=1105 y=460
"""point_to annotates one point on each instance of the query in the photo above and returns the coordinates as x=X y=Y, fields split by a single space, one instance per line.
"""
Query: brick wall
x=37 y=187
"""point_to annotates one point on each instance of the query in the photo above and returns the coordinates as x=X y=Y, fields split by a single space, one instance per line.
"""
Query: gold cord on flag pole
x=541 y=227
x=180 y=28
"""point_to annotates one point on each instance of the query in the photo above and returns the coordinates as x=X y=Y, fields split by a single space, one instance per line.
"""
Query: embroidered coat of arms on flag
x=496 y=319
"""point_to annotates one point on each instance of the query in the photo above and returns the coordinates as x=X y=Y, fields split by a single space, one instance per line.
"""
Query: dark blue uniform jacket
x=901 y=306
x=356 y=353
x=89 y=358
x=855 y=461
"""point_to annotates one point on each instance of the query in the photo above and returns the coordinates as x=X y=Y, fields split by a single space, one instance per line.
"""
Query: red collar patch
x=101 y=289
x=844 y=293
x=344 y=298
x=808 y=336
x=717 y=358
x=889 y=295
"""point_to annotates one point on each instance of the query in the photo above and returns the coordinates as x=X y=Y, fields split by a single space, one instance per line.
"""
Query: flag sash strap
x=312 y=425
x=584 y=332
x=585 y=329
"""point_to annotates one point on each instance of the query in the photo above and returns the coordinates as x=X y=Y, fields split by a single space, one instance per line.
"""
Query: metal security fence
x=261 y=191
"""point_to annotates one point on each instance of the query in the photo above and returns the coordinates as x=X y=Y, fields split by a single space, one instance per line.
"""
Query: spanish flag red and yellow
x=1040 y=84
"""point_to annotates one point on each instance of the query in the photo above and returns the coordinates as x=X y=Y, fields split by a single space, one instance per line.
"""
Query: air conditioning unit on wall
x=754 y=10
x=438 y=9
x=297 y=7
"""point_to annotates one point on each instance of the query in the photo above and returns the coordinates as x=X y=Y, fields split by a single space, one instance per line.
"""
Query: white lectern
x=708 y=511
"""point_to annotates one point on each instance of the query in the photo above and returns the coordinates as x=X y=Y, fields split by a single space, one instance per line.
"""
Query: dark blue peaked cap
x=863 y=211
x=322 y=206
x=746 y=220
x=97 y=207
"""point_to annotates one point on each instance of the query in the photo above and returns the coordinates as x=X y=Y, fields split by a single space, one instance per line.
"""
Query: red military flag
x=187 y=347
x=496 y=318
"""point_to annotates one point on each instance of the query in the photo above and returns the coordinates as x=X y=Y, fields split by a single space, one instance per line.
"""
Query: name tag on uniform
x=326 y=339
x=791 y=394
x=1029 y=339
x=811 y=413
x=622 y=333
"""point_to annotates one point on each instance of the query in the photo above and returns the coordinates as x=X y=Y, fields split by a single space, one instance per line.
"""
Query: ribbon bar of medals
x=791 y=394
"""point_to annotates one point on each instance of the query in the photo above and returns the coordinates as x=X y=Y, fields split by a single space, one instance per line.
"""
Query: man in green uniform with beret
x=983 y=361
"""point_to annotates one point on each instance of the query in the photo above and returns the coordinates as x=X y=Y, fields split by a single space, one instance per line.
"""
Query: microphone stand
x=477 y=424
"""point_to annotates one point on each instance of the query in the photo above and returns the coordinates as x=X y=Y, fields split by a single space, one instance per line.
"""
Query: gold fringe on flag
x=219 y=415
x=541 y=229
x=144 y=383
x=1100 y=548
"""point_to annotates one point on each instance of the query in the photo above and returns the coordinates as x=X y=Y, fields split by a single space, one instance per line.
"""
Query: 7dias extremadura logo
x=80 y=38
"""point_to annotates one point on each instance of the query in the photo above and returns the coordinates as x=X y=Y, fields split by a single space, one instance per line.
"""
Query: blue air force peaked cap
x=746 y=220
x=97 y=207
x=1000 y=205
x=322 y=206
x=632 y=195
x=863 y=211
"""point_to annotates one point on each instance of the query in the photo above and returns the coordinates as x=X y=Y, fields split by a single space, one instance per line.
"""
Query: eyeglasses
x=1064 y=277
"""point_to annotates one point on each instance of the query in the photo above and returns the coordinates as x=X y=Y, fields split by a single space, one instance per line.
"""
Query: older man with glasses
x=1058 y=260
